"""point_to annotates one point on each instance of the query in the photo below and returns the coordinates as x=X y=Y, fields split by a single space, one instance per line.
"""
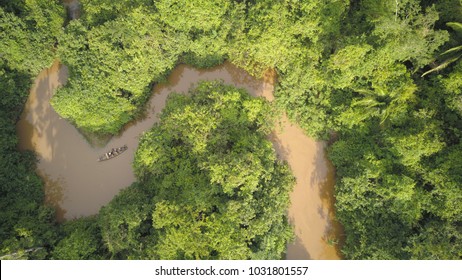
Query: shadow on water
x=25 y=132
x=282 y=151
x=324 y=178
x=54 y=195
x=95 y=140
x=298 y=250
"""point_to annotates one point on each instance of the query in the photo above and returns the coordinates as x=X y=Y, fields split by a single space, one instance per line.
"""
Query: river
x=77 y=185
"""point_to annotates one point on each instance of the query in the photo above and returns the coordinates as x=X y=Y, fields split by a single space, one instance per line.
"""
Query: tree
x=112 y=68
x=437 y=240
x=28 y=31
x=451 y=55
x=218 y=191
x=81 y=241
x=125 y=224
x=27 y=40
x=98 y=12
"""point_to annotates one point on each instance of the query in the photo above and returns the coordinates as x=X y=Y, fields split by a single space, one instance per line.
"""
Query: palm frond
x=442 y=65
x=366 y=102
x=451 y=50
x=456 y=26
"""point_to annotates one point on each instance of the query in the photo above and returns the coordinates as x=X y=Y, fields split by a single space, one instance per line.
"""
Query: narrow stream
x=77 y=185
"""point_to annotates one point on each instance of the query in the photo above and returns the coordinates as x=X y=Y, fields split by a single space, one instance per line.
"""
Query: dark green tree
x=81 y=241
x=126 y=224
x=28 y=31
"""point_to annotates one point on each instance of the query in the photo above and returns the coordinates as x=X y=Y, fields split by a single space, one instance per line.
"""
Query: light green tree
x=217 y=189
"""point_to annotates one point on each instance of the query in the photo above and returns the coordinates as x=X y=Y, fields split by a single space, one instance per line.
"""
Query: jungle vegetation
x=381 y=78
x=209 y=184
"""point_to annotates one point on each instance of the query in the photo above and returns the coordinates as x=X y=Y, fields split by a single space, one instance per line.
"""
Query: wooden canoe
x=113 y=153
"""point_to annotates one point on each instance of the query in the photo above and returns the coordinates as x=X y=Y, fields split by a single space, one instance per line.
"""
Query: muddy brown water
x=77 y=185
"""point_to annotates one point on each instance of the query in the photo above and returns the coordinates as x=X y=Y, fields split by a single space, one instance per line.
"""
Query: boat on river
x=113 y=153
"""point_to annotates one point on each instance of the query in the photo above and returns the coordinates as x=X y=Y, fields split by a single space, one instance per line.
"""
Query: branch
x=31 y=250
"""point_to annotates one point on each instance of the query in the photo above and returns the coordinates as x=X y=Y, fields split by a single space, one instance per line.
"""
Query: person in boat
x=113 y=152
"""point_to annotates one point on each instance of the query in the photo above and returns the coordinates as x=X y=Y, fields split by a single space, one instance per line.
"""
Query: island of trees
x=381 y=79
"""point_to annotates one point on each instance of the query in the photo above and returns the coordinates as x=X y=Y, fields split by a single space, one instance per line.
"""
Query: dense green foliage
x=28 y=31
x=80 y=240
x=126 y=224
x=210 y=186
x=112 y=66
x=385 y=76
x=120 y=48
x=398 y=199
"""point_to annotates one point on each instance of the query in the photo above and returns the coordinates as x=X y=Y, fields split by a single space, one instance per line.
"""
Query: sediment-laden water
x=76 y=184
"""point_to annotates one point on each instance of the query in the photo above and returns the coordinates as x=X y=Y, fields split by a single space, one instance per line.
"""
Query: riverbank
x=77 y=185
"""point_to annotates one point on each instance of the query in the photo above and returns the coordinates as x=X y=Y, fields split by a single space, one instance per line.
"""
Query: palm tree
x=451 y=55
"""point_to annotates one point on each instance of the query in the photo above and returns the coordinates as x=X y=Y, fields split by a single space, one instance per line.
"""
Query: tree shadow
x=54 y=195
x=282 y=151
x=297 y=250
x=323 y=177
x=240 y=76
